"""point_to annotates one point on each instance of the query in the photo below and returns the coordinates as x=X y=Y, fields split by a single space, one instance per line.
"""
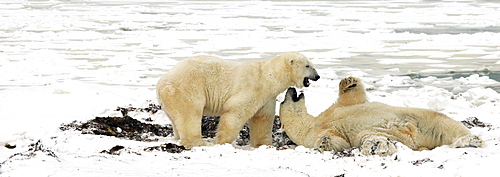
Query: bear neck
x=276 y=76
x=297 y=125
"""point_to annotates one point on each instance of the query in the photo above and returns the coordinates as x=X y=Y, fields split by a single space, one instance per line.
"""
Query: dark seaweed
x=168 y=147
x=129 y=128
x=122 y=127
x=474 y=122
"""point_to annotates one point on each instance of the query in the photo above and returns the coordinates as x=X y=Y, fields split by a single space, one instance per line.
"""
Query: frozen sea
x=66 y=60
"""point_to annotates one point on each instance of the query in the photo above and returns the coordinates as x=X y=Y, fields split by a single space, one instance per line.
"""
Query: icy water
x=131 y=43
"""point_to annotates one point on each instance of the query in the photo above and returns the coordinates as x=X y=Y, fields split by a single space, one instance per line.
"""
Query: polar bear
x=354 y=122
x=236 y=91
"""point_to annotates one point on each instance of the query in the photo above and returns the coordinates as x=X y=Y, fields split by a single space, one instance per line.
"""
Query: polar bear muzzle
x=306 y=80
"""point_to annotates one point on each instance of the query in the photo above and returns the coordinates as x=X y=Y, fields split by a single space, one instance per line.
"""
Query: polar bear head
x=293 y=105
x=300 y=68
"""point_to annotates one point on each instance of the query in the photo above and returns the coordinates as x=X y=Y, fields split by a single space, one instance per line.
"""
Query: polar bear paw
x=348 y=83
x=381 y=146
x=472 y=141
x=194 y=143
x=324 y=144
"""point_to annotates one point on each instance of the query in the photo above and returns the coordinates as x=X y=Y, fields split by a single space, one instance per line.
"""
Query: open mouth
x=306 y=82
x=292 y=93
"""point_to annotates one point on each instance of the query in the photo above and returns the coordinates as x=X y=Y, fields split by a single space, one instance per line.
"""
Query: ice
x=62 y=61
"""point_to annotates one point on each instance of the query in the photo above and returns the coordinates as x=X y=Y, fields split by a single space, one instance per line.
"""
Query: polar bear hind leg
x=467 y=141
x=176 y=133
x=442 y=130
x=184 y=121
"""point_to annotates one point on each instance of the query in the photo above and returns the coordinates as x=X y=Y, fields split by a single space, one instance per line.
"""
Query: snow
x=62 y=61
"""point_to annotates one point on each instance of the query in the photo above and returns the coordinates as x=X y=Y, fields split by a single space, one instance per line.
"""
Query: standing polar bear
x=354 y=122
x=236 y=91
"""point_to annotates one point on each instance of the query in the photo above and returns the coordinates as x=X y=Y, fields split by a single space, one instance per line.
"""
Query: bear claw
x=378 y=146
x=348 y=83
x=324 y=144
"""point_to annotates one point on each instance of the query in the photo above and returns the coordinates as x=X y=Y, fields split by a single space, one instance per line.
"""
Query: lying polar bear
x=354 y=122
x=236 y=91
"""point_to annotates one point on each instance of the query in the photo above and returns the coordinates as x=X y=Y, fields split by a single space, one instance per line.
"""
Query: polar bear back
x=210 y=81
x=203 y=70
x=412 y=126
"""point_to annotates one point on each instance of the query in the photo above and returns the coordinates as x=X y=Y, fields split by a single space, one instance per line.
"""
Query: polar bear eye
x=307 y=66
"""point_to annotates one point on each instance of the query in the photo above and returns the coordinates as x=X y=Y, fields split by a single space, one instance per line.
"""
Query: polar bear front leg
x=378 y=145
x=261 y=125
x=329 y=140
x=236 y=112
x=230 y=124
x=347 y=84
x=331 y=143
x=351 y=92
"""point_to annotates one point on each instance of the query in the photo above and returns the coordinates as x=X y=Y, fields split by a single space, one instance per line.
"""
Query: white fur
x=237 y=91
x=371 y=126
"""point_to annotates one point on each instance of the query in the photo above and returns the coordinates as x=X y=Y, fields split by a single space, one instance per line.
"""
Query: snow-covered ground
x=63 y=60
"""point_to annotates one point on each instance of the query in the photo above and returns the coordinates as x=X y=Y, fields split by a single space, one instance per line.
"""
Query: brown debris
x=114 y=150
x=122 y=127
x=420 y=162
x=474 y=122
x=129 y=128
x=168 y=147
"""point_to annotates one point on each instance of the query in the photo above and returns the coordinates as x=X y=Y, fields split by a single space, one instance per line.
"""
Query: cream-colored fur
x=354 y=122
x=237 y=91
